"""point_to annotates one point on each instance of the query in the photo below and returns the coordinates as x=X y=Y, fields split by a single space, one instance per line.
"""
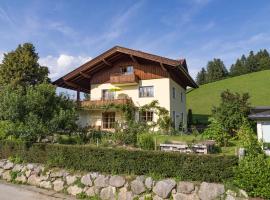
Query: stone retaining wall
x=112 y=187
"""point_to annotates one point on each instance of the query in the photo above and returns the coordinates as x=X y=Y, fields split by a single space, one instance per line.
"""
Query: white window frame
x=173 y=92
x=146 y=116
x=145 y=92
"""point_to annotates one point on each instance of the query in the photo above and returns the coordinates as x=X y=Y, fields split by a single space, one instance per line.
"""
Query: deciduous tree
x=232 y=111
x=35 y=112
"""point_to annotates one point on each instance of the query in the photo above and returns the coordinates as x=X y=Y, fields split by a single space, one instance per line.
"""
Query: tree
x=21 y=67
x=201 y=77
x=216 y=70
x=239 y=67
x=34 y=112
x=263 y=59
x=189 y=118
x=215 y=131
x=252 y=63
x=248 y=139
x=232 y=111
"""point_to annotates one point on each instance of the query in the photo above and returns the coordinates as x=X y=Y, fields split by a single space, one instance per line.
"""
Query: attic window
x=127 y=70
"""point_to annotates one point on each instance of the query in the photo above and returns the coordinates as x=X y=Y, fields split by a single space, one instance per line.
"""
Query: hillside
x=257 y=84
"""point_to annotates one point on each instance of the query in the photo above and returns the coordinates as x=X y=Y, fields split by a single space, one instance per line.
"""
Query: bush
x=253 y=175
x=216 y=132
x=5 y=126
x=211 y=168
x=248 y=140
x=146 y=141
x=65 y=139
x=129 y=133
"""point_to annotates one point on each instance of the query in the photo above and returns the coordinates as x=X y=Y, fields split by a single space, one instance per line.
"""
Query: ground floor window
x=108 y=120
x=174 y=119
x=146 y=116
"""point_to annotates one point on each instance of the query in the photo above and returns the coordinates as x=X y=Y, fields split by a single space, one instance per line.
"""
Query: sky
x=68 y=33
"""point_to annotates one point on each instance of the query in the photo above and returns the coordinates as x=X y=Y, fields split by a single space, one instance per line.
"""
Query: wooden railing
x=123 y=78
x=104 y=102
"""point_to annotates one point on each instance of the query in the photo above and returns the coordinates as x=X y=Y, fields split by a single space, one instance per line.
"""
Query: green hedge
x=192 y=167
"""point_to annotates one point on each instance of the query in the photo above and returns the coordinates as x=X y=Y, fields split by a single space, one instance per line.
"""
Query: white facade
x=163 y=89
x=263 y=131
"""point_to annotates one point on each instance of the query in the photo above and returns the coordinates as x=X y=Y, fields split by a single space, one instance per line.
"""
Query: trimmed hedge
x=210 y=168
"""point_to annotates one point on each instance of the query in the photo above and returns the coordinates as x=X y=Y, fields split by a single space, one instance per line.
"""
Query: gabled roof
x=262 y=112
x=80 y=76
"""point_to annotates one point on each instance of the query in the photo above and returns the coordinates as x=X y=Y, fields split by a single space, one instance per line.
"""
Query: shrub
x=64 y=139
x=216 y=132
x=146 y=141
x=232 y=110
x=249 y=140
x=253 y=175
x=4 y=129
x=128 y=134
x=211 y=168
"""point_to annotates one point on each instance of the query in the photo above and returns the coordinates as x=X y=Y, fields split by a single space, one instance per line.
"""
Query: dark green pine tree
x=216 y=70
x=21 y=67
x=263 y=59
x=201 y=77
x=252 y=63
x=239 y=67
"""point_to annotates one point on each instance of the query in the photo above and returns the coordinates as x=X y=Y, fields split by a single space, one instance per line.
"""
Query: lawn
x=184 y=138
x=202 y=100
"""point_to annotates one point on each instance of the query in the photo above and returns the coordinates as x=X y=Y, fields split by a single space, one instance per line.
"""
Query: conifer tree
x=216 y=70
x=21 y=67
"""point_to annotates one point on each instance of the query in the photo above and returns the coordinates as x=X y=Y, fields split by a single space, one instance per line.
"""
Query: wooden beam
x=162 y=66
x=72 y=84
x=133 y=59
x=85 y=75
x=107 y=63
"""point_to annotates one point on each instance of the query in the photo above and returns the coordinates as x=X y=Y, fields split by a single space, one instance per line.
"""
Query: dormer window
x=127 y=70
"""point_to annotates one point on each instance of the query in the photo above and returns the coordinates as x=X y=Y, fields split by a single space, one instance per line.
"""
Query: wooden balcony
x=124 y=79
x=92 y=104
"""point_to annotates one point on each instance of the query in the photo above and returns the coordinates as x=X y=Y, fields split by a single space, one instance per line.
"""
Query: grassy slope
x=257 y=84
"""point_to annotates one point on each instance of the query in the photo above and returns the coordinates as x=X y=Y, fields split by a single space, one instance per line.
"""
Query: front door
x=108 y=120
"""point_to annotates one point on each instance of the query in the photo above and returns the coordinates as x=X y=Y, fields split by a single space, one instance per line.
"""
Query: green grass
x=202 y=100
x=177 y=138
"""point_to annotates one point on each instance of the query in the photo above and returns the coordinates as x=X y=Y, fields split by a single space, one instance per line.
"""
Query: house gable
x=146 y=66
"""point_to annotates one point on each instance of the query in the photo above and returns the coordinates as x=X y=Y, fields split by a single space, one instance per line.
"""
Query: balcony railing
x=99 y=103
x=118 y=79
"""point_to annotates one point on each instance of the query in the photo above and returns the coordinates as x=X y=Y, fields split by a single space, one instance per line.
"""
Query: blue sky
x=68 y=33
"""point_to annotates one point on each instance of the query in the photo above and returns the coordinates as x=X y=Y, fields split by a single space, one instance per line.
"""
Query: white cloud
x=62 y=64
x=1 y=57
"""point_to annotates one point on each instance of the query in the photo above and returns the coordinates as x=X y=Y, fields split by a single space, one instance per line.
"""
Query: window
x=181 y=96
x=108 y=120
x=127 y=70
x=108 y=95
x=174 y=119
x=182 y=117
x=173 y=92
x=146 y=116
x=146 y=91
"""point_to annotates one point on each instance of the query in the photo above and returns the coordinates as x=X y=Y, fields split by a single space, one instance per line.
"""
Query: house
x=262 y=116
x=121 y=76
